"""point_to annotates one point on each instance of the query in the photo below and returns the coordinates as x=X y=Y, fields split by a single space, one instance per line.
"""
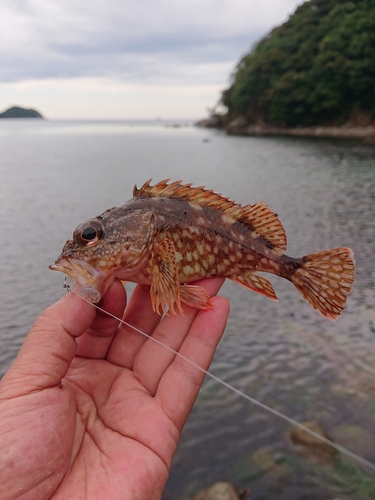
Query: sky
x=127 y=59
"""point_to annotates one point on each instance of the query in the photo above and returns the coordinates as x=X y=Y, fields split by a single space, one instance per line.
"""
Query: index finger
x=49 y=348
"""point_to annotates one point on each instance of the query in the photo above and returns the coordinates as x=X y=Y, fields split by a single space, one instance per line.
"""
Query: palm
x=112 y=433
x=111 y=429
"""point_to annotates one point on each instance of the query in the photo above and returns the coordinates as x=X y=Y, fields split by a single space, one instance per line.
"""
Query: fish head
x=116 y=244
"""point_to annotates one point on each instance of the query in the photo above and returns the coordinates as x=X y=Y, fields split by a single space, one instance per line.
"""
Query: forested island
x=314 y=72
x=17 y=112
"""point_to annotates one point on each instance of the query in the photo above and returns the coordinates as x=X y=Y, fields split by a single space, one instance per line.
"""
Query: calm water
x=54 y=175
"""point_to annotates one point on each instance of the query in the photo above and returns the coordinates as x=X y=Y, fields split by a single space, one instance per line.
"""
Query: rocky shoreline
x=272 y=469
x=239 y=126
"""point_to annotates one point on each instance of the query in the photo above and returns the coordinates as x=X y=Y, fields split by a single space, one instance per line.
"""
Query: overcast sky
x=127 y=58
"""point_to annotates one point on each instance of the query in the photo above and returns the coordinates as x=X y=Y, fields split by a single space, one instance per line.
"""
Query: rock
x=221 y=490
x=311 y=442
x=257 y=130
x=278 y=475
x=354 y=438
x=369 y=139
x=359 y=128
x=208 y=122
x=265 y=464
x=361 y=119
x=237 y=126
x=263 y=459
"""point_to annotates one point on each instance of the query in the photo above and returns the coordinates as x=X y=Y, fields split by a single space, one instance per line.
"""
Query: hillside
x=318 y=68
x=17 y=112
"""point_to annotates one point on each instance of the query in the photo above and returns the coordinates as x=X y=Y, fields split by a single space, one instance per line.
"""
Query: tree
x=317 y=68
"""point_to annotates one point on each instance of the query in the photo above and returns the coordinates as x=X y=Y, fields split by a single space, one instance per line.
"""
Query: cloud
x=162 y=41
x=126 y=58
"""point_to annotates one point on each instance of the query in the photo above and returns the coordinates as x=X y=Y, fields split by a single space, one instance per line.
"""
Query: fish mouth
x=83 y=273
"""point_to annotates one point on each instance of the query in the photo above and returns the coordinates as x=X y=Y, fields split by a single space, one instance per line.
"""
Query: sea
x=56 y=174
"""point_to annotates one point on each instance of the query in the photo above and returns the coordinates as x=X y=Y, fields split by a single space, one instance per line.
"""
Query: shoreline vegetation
x=313 y=76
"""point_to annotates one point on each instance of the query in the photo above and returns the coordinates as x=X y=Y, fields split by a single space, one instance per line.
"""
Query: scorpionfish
x=172 y=234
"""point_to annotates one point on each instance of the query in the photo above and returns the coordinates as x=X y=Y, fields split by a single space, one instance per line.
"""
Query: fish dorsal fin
x=259 y=218
x=198 y=195
x=265 y=223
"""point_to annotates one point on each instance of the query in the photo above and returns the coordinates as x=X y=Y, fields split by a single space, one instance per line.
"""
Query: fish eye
x=89 y=233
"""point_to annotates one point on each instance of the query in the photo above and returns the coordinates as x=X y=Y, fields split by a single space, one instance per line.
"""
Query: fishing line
x=290 y=420
x=68 y=284
x=53 y=290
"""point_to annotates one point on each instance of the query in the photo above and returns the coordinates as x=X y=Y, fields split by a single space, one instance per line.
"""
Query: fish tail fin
x=324 y=280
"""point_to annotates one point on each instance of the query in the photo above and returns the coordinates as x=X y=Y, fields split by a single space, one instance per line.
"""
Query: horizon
x=100 y=119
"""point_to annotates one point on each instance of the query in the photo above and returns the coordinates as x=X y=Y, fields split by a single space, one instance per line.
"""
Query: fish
x=169 y=235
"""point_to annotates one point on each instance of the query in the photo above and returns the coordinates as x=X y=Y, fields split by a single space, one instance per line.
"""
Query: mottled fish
x=170 y=235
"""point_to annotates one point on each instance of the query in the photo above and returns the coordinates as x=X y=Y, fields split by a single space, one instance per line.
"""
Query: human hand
x=94 y=410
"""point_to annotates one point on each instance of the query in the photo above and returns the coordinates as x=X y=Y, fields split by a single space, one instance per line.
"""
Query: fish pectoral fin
x=195 y=296
x=165 y=286
x=257 y=283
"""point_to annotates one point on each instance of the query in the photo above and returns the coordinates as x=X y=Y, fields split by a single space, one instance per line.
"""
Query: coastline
x=239 y=126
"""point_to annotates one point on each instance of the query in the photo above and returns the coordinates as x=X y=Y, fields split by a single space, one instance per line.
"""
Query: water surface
x=54 y=175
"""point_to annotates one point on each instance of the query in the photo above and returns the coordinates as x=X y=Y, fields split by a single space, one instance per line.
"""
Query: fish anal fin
x=165 y=287
x=324 y=280
x=262 y=221
x=195 y=296
x=257 y=283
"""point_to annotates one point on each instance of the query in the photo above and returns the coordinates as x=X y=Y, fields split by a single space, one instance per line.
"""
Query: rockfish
x=170 y=235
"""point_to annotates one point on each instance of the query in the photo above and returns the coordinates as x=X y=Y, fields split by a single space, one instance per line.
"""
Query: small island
x=18 y=112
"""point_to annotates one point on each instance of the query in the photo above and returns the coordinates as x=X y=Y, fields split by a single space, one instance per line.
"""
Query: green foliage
x=317 y=68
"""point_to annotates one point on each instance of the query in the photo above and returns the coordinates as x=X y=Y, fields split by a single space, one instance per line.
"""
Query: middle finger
x=153 y=358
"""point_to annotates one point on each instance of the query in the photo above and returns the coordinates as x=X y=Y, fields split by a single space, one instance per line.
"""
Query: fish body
x=170 y=235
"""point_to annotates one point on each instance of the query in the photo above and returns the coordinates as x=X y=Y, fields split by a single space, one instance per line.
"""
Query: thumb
x=49 y=347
